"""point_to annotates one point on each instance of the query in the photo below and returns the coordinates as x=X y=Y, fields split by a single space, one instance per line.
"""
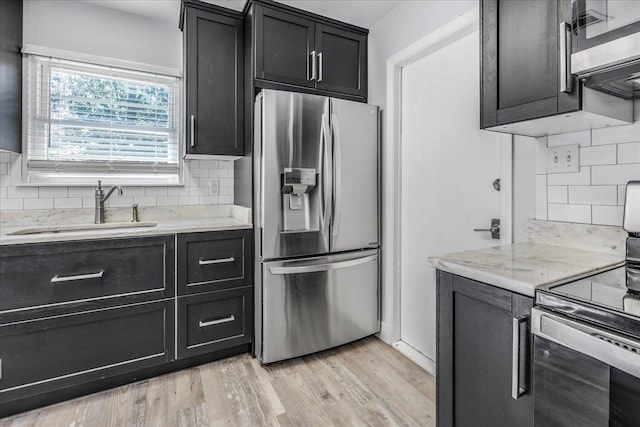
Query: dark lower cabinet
x=214 y=320
x=479 y=326
x=77 y=317
x=214 y=67
x=43 y=355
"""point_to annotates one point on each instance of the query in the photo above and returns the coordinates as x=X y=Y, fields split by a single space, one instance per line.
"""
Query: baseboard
x=415 y=356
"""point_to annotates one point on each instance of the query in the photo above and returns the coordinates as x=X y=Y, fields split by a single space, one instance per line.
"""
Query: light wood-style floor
x=363 y=383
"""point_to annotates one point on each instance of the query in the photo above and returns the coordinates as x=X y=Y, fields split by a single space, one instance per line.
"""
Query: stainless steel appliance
x=605 y=45
x=316 y=171
x=587 y=342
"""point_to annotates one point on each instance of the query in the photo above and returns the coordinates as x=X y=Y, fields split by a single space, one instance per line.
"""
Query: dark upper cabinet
x=293 y=49
x=283 y=47
x=11 y=79
x=342 y=60
x=521 y=70
x=214 y=67
x=479 y=326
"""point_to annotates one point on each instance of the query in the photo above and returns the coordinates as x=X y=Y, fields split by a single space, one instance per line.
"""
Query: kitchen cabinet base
x=44 y=399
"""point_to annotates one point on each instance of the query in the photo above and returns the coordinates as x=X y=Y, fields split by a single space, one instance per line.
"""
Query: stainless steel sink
x=81 y=227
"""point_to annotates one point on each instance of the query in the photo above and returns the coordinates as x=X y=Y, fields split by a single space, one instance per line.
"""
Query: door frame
x=392 y=178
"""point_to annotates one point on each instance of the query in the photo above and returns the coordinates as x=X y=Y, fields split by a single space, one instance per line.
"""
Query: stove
x=586 y=351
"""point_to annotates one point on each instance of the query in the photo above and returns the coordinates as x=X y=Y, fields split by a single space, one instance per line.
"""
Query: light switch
x=563 y=159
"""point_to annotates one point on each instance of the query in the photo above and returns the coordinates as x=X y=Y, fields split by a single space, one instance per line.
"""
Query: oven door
x=582 y=375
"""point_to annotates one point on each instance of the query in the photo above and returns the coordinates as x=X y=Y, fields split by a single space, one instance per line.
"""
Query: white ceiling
x=363 y=13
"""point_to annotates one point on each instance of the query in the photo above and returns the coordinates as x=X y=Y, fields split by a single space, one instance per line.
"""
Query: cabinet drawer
x=55 y=352
x=214 y=320
x=56 y=273
x=213 y=261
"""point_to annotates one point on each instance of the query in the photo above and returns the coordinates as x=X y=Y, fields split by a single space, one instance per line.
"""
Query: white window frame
x=85 y=173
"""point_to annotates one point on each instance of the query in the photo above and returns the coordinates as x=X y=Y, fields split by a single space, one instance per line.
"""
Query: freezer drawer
x=317 y=303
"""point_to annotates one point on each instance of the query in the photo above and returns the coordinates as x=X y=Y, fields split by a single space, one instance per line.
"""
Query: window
x=88 y=121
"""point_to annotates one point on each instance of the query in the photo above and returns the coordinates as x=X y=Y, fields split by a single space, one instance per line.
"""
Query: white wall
x=89 y=28
x=406 y=23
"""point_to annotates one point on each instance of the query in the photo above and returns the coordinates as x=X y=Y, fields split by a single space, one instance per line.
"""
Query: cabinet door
x=521 y=61
x=214 y=83
x=283 y=47
x=475 y=355
x=342 y=60
x=11 y=81
x=51 y=353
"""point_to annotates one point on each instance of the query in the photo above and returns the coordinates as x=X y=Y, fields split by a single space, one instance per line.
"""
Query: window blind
x=94 y=120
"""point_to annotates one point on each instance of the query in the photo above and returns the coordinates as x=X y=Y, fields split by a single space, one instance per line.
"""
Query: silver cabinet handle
x=313 y=66
x=565 y=57
x=193 y=130
x=516 y=390
x=322 y=267
x=215 y=261
x=216 y=322
x=320 y=67
x=58 y=279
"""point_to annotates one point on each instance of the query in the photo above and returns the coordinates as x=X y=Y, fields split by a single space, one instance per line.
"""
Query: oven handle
x=614 y=349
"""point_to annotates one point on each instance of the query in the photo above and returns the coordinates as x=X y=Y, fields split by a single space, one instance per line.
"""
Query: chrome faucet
x=101 y=198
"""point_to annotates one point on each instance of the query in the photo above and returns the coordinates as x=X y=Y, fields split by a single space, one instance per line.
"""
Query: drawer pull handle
x=216 y=322
x=58 y=279
x=216 y=261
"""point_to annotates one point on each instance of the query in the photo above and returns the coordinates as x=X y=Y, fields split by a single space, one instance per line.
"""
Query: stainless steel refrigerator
x=317 y=199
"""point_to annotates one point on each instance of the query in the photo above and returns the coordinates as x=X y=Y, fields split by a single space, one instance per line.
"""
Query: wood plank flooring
x=363 y=383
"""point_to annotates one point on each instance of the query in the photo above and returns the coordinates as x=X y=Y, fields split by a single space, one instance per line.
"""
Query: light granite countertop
x=575 y=251
x=169 y=220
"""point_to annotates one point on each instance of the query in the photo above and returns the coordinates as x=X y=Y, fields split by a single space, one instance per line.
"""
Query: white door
x=448 y=167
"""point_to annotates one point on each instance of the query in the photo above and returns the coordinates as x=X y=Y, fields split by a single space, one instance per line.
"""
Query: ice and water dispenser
x=297 y=184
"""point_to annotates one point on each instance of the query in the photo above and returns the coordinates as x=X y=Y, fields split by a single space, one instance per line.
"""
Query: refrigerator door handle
x=322 y=267
x=326 y=174
x=337 y=172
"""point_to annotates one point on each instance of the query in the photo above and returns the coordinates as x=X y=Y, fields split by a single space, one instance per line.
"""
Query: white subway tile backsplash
x=629 y=153
x=225 y=200
x=598 y=155
x=197 y=174
x=607 y=215
x=42 y=203
x=609 y=158
x=616 y=134
x=583 y=138
x=593 y=195
x=11 y=204
x=541 y=197
x=574 y=178
x=53 y=192
x=569 y=213
x=187 y=200
x=557 y=194
x=615 y=174
x=67 y=203
x=22 y=192
x=167 y=201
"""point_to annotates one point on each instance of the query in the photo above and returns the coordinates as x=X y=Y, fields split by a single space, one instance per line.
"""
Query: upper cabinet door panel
x=214 y=79
x=521 y=61
x=284 y=44
x=342 y=60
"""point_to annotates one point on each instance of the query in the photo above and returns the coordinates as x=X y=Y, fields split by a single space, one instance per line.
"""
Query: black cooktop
x=607 y=290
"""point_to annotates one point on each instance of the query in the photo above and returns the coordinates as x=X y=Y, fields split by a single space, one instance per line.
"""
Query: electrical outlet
x=564 y=159
x=214 y=187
